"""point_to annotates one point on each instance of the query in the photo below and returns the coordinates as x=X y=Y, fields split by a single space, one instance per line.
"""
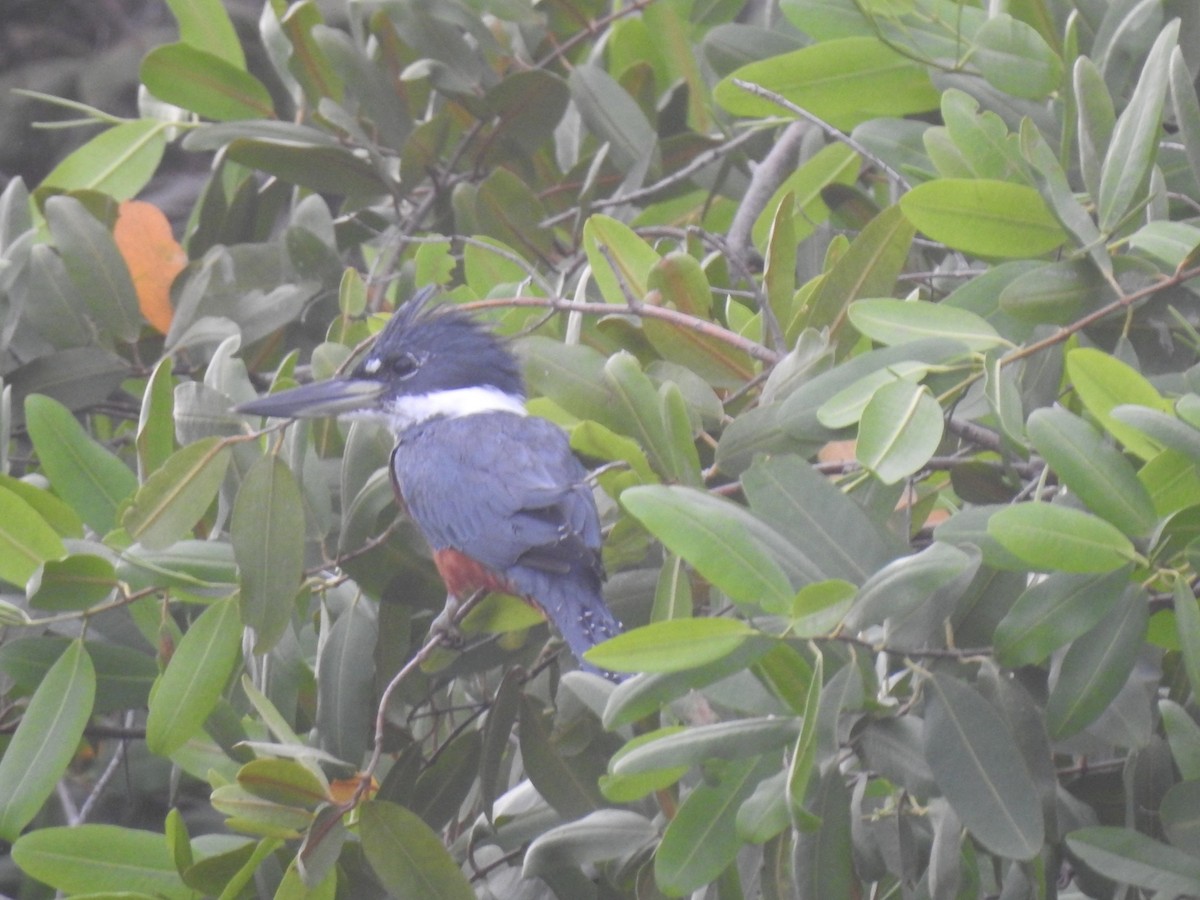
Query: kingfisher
x=497 y=493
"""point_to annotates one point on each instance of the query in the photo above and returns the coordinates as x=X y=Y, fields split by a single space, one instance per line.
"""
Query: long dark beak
x=322 y=398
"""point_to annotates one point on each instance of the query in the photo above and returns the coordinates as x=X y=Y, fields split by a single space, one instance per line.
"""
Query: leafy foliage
x=878 y=324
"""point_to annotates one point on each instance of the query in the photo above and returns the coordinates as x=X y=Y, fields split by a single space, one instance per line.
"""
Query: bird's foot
x=445 y=625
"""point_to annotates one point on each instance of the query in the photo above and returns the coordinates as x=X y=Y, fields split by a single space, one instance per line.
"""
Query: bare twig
x=836 y=133
x=645 y=310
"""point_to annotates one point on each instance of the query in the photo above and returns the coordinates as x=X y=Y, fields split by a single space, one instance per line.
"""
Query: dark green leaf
x=1134 y=146
x=701 y=840
x=1126 y=856
x=95 y=858
x=721 y=540
x=1055 y=611
x=1052 y=537
x=408 y=857
x=1096 y=667
x=978 y=767
x=205 y=84
x=842 y=82
x=76 y=582
x=194 y=678
x=87 y=476
x=267 y=530
x=96 y=268
x=178 y=494
x=1093 y=469
x=46 y=739
x=900 y=430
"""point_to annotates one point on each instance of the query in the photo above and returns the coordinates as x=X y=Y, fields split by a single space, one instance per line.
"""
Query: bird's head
x=427 y=362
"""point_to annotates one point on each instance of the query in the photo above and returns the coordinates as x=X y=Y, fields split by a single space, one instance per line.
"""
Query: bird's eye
x=405 y=365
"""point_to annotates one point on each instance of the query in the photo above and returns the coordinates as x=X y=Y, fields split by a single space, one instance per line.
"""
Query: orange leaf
x=154 y=258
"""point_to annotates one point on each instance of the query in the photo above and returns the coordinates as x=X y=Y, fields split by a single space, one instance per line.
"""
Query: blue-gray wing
x=506 y=491
x=503 y=489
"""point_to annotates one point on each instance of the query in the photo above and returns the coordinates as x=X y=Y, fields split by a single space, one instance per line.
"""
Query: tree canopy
x=876 y=322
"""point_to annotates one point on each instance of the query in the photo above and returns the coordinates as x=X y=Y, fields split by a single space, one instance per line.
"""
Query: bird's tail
x=582 y=617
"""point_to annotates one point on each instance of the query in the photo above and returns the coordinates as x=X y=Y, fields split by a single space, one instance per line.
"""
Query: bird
x=497 y=493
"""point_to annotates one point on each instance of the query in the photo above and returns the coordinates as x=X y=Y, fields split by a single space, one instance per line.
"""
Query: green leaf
x=88 y=477
x=1187 y=626
x=1163 y=429
x=256 y=815
x=26 y=539
x=1187 y=110
x=118 y=162
x=1126 y=856
x=612 y=116
x=1104 y=382
x=717 y=538
x=699 y=744
x=1183 y=736
x=76 y=582
x=327 y=170
x=95 y=858
x=602 y=835
x=96 y=268
x=1055 y=611
x=507 y=210
x=156 y=426
x=1050 y=538
x=408 y=857
x=570 y=785
x=440 y=790
x=682 y=285
x=194 y=678
x=905 y=584
x=346 y=682
x=206 y=25
x=617 y=257
x=672 y=645
x=1096 y=667
x=868 y=269
x=832 y=164
x=824 y=524
x=267 y=530
x=205 y=84
x=900 y=321
x=702 y=839
x=1093 y=469
x=46 y=739
x=804 y=755
x=123 y=675
x=637 y=403
x=178 y=494
x=977 y=765
x=900 y=430
x=1015 y=59
x=1055 y=294
x=842 y=82
x=283 y=781
x=1134 y=146
x=984 y=218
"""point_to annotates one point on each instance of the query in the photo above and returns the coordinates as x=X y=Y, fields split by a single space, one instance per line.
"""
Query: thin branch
x=591 y=30
x=768 y=175
x=1123 y=302
x=707 y=158
x=835 y=133
x=645 y=310
x=437 y=639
